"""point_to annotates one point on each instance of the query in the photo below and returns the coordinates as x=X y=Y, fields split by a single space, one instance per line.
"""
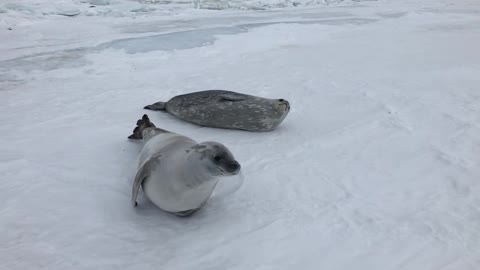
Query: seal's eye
x=281 y=100
x=217 y=158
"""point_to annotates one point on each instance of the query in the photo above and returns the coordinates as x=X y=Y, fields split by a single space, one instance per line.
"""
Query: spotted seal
x=226 y=109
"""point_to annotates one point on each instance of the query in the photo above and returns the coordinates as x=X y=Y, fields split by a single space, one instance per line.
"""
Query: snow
x=263 y=4
x=376 y=166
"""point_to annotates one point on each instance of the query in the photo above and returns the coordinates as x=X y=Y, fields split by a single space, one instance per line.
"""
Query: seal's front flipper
x=186 y=213
x=190 y=212
x=158 y=106
x=142 y=174
x=231 y=97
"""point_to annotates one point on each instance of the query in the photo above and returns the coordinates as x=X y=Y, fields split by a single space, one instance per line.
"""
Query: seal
x=176 y=173
x=226 y=109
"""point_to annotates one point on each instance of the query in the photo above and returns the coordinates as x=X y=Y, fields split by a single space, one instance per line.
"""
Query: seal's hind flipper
x=136 y=134
x=142 y=174
x=142 y=124
x=158 y=106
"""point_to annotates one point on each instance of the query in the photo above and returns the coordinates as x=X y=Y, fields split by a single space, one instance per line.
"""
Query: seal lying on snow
x=178 y=174
x=226 y=109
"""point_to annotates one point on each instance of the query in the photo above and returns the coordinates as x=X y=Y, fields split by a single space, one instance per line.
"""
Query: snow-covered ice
x=377 y=165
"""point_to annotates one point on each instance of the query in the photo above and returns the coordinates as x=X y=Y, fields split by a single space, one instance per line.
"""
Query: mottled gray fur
x=226 y=109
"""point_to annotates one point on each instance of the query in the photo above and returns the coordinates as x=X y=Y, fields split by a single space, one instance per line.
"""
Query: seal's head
x=282 y=106
x=216 y=158
x=274 y=112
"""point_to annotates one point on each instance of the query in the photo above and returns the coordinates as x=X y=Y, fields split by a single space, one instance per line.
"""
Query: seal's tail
x=142 y=124
x=158 y=106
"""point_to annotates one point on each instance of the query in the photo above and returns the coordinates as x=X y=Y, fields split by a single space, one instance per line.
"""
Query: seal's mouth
x=232 y=169
x=283 y=105
x=224 y=173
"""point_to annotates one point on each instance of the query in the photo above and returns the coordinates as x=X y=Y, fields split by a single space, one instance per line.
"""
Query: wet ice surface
x=375 y=167
x=166 y=42
x=171 y=41
x=203 y=37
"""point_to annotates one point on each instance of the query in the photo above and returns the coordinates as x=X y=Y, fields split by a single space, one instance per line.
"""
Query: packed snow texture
x=136 y=8
x=376 y=167
x=263 y=4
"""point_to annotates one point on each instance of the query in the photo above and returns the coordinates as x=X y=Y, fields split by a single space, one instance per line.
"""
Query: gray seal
x=226 y=109
x=176 y=173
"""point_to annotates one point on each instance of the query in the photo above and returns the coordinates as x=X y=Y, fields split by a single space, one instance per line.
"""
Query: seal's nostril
x=281 y=100
x=234 y=167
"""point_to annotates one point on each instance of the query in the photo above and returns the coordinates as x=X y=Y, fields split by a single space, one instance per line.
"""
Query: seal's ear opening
x=142 y=124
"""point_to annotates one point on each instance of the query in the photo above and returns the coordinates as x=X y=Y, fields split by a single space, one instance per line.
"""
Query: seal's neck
x=197 y=175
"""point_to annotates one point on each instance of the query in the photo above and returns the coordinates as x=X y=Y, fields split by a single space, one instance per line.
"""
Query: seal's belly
x=166 y=192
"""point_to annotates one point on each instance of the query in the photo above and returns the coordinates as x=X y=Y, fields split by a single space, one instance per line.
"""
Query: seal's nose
x=284 y=105
x=233 y=167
